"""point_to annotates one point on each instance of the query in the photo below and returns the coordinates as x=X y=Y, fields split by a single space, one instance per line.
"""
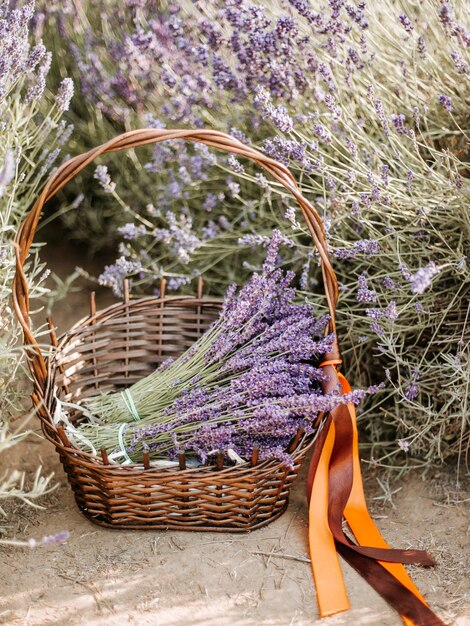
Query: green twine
x=130 y=405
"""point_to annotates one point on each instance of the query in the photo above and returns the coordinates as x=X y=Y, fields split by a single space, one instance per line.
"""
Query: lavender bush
x=32 y=135
x=368 y=105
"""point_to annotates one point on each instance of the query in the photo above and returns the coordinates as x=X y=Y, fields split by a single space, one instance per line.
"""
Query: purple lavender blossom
x=411 y=390
x=367 y=247
x=234 y=164
x=460 y=65
x=399 y=124
x=333 y=107
x=102 y=176
x=405 y=271
x=212 y=200
x=352 y=147
x=233 y=186
x=364 y=294
x=322 y=133
x=451 y=26
x=210 y=230
x=379 y=107
x=404 y=445
x=114 y=275
x=291 y=216
x=409 y=180
x=64 y=95
x=445 y=101
x=176 y=282
x=285 y=150
x=375 y=314
x=377 y=329
x=178 y=236
x=131 y=231
x=50 y=540
x=406 y=23
x=225 y=224
x=384 y=173
x=422 y=279
x=421 y=46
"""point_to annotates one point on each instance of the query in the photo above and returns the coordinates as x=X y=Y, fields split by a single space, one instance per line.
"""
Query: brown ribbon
x=334 y=491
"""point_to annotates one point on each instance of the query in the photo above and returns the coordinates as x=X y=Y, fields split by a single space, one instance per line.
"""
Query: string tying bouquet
x=194 y=414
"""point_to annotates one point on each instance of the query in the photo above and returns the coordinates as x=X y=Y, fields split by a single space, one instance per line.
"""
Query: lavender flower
x=367 y=247
x=114 y=275
x=379 y=107
x=291 y=216
x=422 y=279
x=285 y=150
x=446 y=101
x=409 y=180
x=460 y=65
x=322 y=133
x=131 y=231
x=364 y=294
x=421 y=46
x=235 y=164
x=405 y=272
x=404 y=445
x=233 y=186
x=50 y=540
x=64 y=95
x=212 y=200
x=176 y=282
x=399 y=124
x=411 y=390
x=102 y=176
x=406 y=23
x=384 y=172
x=178 y=236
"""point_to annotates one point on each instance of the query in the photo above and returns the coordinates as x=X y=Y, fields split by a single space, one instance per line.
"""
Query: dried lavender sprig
x=271 y=419
x=262 y=316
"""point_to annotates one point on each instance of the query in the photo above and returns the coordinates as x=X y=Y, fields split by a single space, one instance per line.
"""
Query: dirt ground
x=103 y=577
x=113 y=577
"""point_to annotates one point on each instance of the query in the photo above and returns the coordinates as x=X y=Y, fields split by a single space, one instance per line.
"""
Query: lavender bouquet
x=251 y=380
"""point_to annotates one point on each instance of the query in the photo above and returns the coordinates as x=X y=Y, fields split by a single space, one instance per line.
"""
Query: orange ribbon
x=326 y=540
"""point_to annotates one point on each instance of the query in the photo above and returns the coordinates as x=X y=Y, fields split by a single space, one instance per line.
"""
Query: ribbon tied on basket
x=334 y=492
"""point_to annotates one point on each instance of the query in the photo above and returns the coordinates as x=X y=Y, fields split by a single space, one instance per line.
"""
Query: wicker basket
x=115 y=347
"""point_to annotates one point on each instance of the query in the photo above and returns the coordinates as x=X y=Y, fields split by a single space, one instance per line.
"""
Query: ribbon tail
x=357 y=514
x=331 y=591
x=412 y=611
x=335 y=490
x=389 y=579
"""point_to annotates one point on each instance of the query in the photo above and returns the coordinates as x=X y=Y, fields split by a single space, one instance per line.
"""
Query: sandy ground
x=113 y=577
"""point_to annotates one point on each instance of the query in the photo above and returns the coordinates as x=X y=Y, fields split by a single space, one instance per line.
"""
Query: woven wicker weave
x=116 y=347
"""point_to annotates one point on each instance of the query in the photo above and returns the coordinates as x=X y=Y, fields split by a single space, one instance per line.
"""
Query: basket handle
x=133 y=139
